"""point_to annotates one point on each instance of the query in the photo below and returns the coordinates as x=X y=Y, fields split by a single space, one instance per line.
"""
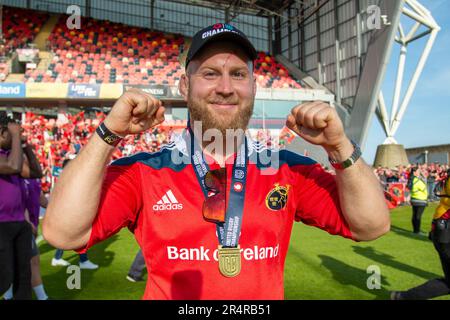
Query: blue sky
x=427 y=118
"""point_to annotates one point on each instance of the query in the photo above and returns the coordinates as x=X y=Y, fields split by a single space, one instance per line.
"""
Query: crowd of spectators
x=62 y=138
x=434 y=173
x=273 y=138
x=57 y=139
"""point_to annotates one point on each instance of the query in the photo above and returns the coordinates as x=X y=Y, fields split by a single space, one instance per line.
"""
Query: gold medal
x=229 y=261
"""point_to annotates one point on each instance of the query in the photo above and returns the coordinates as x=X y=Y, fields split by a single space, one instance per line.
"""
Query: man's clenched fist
x=134 y=112
x=319 y=124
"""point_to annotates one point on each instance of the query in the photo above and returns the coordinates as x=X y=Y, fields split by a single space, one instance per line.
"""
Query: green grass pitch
x=318 y=266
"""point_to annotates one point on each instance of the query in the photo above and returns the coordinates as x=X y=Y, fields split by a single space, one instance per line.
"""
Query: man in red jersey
x=214 y=222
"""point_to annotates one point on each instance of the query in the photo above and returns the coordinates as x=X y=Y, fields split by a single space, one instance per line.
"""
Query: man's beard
x=220 y=120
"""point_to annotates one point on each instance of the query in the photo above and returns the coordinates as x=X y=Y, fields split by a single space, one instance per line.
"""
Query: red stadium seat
x=108 y=52
x=19 y=27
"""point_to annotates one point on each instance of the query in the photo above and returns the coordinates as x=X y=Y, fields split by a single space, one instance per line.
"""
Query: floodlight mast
x=423 y=17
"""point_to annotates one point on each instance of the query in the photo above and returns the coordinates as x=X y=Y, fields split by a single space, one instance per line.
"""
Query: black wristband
x=106 y=135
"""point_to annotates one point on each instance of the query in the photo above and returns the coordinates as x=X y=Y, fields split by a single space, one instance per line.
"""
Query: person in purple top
x=15 y=231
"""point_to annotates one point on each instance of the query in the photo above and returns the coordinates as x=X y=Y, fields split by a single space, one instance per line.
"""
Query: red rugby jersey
x=160 y=201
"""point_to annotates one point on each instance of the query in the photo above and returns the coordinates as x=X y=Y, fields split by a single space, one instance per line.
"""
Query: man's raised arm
x=74 y=201
x=360 y=195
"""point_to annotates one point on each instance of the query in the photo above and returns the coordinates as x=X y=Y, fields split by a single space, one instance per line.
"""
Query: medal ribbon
x=228 y=233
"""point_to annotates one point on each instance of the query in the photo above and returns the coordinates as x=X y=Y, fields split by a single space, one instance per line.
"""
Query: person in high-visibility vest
x=419 y=196
x=440 y=235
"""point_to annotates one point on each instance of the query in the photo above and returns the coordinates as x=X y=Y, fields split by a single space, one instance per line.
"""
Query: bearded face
x=220 y=87
x=220 y=118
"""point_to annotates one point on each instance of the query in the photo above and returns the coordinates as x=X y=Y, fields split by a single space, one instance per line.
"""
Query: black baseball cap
x=219 y=31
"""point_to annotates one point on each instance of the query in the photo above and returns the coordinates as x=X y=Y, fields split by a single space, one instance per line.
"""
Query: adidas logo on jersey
x=168 y=202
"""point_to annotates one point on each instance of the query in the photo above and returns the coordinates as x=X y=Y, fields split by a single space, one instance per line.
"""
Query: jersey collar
x=182 y=143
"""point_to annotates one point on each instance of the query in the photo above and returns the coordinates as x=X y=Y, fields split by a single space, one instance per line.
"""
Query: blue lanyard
x=228 y=233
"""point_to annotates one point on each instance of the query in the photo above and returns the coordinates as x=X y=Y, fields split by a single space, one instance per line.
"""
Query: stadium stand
x=271 y=74
x=19 y=27
x=107 y=52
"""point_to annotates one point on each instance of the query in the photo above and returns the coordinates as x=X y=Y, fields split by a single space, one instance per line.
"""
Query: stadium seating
x=19 y=27
x=271 y=74
x=107 y=52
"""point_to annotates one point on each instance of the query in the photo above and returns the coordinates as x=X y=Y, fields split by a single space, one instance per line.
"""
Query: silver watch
x=350 y=161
